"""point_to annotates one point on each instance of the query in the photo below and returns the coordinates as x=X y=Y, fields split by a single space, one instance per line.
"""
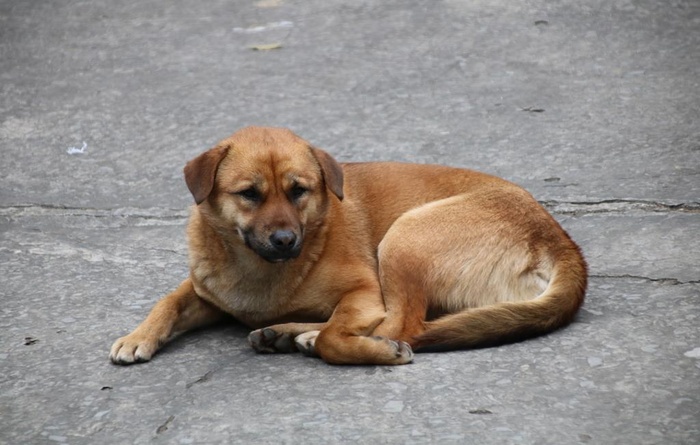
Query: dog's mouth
x=274 y=257
x=271 y=251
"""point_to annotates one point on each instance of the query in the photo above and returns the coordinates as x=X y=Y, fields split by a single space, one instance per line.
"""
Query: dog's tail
x=513 y=321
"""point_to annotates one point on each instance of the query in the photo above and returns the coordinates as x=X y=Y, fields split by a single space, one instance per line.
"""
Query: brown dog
x=360 y=263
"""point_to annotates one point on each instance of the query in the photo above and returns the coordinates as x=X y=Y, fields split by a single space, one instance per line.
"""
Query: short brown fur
x=361 y=263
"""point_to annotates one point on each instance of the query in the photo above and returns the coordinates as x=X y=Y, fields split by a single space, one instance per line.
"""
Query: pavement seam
x=672 y=281
x=554 y=206
x=618 y=206
x=157 y=213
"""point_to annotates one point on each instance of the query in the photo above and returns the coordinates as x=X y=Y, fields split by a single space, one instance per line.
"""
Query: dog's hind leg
x=419 y=257
x=401 y=272
x=497 y=266
x=347 y=338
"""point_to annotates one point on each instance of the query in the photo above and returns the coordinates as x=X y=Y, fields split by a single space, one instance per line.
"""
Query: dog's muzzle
x=282 y=245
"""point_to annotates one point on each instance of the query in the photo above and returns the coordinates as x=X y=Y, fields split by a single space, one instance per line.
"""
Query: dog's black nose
x=283 y=240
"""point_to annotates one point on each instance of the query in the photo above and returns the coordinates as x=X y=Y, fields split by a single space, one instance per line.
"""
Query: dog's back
x=471 y=245
x=383 y=191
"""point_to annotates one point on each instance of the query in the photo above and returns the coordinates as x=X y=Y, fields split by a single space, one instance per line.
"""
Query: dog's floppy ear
x=332 y=171
x=200 y=172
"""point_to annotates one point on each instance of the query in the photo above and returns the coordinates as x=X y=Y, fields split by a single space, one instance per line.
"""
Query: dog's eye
x=297 y=192
x=251 y=194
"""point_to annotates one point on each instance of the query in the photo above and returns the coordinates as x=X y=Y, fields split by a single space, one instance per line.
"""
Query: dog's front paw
x=306 y=343
x=133 y=348
x=268 y=341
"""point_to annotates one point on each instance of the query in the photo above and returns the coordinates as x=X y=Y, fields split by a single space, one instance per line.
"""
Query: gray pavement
x=592 y=105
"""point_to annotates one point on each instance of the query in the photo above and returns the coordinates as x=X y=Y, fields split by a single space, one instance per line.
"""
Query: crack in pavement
x=154 y=213
x=202 y=379
x=164 y=427
x=158 y=213
x=617 y=206
x=672 y=281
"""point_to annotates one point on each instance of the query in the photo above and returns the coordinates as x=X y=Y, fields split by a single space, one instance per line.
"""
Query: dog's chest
x=251 y=301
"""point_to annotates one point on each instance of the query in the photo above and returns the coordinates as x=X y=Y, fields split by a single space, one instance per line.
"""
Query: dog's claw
x=402 y=351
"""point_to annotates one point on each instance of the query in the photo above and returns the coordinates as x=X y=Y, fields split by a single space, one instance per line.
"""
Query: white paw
x=306 y=343
x=132 y=349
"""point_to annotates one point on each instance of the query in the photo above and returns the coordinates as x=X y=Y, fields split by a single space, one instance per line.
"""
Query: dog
x=361 y=263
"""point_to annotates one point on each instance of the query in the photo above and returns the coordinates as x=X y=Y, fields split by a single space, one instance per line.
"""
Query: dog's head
x=266 y=186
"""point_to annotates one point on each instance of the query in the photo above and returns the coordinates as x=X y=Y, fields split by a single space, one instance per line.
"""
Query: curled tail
x=513 y=321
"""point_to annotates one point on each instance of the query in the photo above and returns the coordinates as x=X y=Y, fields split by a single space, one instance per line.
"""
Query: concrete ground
x=592 y=105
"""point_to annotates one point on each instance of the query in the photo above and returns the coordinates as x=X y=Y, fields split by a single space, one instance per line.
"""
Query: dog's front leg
x=347 y=338
x=177 y=312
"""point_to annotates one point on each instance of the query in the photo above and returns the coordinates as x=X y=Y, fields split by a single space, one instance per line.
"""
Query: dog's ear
x=200 y=172
x=332 y=171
